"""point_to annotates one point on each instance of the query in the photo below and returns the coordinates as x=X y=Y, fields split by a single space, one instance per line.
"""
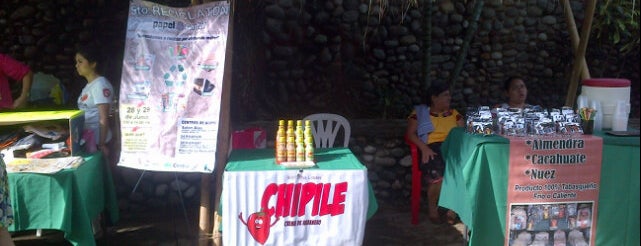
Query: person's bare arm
x=427 y=153
x=23 y=99
x=460 y=122
x=103 y=109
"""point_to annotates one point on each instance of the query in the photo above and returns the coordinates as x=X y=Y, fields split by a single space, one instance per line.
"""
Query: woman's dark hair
x=92 y=52
x=435 y=89
x=508 y=82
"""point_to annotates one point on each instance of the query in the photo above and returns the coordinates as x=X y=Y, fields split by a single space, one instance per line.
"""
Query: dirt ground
x=168 y=226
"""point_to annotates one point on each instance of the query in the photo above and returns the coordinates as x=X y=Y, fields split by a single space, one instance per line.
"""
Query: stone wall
x=294 y=57
x=368 y=58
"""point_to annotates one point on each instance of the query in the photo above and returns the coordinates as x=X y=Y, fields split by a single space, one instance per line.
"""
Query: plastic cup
x=620 y=123
x=620 y=118
x=598 y=117
x=581 y=102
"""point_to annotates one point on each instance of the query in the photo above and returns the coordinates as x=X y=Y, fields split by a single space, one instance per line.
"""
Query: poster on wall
x=171 y=83
x=553 y=190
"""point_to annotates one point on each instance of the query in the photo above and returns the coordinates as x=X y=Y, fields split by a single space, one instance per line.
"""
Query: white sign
x=294 y=207
x=171 y=85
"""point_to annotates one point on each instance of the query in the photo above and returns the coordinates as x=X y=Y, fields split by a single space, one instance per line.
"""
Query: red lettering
x=317 y=196
x=270 y=191
x=284 y=199
x=292 y=199
x=295 y=200
x=306 y=195
x=339 y=198
x=324 y=207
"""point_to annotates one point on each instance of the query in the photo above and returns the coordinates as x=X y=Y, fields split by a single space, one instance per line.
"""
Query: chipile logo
x=295 y=201
x=258 y=225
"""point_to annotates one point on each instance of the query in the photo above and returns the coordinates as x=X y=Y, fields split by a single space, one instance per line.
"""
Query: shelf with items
x=41 y=134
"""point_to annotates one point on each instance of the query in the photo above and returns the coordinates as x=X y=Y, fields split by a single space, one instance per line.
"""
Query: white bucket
x=608 y=91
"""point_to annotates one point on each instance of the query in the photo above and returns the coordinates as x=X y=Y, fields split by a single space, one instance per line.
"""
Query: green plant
x=617 y=22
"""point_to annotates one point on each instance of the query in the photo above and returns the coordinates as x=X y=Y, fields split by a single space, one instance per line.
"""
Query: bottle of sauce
x=291 y=149
x=300 y=151
x=281 y=143
x=309 y=149
x=291 y=141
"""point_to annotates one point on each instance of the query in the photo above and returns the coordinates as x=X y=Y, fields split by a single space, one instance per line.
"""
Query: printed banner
x=294 y=207
x=553 y=190
x=171 y=84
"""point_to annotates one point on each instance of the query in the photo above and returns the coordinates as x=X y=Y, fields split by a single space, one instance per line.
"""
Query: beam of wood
x=204 y=221
x=574 y=37
x=207 y=233
x=224 y=130
x=580 y=53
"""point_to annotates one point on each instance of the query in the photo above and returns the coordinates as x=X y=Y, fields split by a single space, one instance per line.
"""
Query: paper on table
x=51 y=165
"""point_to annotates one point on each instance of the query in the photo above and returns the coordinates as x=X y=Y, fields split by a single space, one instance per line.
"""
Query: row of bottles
x=294 y=143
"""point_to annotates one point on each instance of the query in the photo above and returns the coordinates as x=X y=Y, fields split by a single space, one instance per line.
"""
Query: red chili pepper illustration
x=258 y=225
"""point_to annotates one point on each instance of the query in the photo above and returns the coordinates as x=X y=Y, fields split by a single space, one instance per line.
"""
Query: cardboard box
x=74 y=119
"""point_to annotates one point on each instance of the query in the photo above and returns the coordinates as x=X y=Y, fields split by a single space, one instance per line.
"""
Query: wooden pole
x=224 y=134
x=204 y=219
x=574 y=37
x=222 y=150
x=205 y=210
x=580 y=53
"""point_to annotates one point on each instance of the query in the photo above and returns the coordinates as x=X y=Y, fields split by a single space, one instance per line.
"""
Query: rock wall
x=367 y=58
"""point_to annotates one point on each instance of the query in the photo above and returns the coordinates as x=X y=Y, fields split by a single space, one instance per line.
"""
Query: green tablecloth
x=66 y=201
x=326 y=159
x=475 y=186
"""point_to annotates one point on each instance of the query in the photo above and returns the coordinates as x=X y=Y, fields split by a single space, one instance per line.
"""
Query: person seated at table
x=427 y=128
x=6 y=211
x=516 y=92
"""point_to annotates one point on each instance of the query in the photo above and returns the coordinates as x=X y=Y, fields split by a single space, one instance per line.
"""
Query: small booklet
x=624 y=133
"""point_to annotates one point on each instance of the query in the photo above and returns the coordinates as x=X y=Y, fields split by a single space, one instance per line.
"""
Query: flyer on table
x=553 y=190
x=171 y=85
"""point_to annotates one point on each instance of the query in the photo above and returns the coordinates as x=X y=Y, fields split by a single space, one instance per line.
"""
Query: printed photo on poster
x=558 y=224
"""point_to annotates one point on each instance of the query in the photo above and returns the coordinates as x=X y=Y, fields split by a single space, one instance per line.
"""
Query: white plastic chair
x=325 y=128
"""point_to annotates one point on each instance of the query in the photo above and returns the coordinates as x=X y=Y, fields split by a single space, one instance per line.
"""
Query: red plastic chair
x=416 y=182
